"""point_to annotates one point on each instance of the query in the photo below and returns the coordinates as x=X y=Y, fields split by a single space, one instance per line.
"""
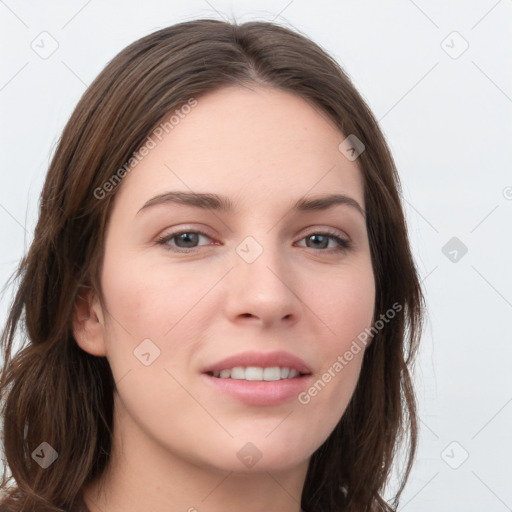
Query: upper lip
x=260 y=359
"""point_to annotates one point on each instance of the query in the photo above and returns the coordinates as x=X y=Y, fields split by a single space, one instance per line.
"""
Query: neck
x=142 y=475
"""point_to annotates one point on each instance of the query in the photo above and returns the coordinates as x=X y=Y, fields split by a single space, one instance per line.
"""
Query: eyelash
x=343 y=245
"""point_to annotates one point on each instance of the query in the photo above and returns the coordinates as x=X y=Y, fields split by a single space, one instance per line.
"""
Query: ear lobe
x=88 y=325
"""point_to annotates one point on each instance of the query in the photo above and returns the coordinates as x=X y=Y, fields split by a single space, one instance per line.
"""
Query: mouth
x=257 y=373
x=261 y=379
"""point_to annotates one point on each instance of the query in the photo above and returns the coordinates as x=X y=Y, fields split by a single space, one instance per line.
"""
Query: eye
x=185 y=240
x=188 y=240
x=321 y=241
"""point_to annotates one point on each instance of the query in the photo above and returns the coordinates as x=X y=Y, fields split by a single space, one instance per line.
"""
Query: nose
x=262 y=288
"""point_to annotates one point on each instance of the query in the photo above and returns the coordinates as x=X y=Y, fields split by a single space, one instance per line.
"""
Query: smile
x=255 y=373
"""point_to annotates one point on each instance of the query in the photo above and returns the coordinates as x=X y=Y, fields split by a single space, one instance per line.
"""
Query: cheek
x=157 y=303
x=149 y=322
x=346 y=308
x=345 y=304
x=148 y=300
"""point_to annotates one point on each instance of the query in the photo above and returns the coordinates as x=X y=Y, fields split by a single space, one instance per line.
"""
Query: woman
x=220 y=303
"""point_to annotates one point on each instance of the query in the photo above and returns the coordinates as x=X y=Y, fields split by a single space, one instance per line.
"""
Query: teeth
x=238 y=373
x=257 y=373
x=271 y=373
x=253 y=373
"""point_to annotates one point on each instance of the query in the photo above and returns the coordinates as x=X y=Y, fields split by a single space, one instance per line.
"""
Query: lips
x=260 y=360
x=248 y=387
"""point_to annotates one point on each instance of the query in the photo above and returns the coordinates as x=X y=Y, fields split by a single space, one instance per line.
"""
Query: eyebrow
x=221 y=203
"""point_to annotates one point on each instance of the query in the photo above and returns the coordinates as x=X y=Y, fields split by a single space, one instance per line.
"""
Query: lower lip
x=272 y=392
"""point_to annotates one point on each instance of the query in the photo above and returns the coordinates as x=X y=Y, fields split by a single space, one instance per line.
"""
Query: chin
x=274 y=464
x=262 y=456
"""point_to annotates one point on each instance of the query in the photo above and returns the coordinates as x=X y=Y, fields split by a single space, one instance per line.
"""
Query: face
x=206 y=306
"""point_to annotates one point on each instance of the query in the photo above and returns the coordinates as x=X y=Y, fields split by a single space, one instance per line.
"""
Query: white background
x=447 y=118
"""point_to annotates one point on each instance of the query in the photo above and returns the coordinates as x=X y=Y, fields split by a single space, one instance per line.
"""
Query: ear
x=88 y=323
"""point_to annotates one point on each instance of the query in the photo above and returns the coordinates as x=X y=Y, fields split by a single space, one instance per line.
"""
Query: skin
x=175 y=438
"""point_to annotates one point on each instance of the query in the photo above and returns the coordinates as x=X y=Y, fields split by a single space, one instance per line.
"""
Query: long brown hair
x=52 y=391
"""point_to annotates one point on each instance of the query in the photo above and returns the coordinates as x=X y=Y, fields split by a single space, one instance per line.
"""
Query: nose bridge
x=262 y=282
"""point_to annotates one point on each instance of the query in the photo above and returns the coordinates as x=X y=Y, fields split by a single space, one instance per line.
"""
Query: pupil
x=184 y=236
x=319 y=237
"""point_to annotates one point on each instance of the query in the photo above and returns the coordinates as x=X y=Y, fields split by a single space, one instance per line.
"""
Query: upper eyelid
x=309 y=230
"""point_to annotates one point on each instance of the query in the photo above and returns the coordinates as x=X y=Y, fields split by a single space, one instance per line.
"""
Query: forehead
x=248 y=143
